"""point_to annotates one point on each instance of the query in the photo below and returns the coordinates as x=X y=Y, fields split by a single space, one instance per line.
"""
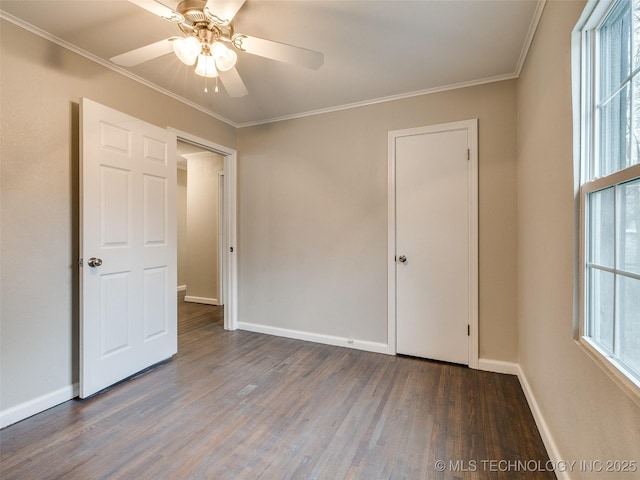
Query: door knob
x=94 y=262
x=402 y=259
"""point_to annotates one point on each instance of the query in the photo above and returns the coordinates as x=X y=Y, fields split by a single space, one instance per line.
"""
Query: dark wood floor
x=241 y=405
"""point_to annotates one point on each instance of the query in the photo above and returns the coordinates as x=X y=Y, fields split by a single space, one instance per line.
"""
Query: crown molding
x=521 y=60
x=533 y=26
x=391 y=98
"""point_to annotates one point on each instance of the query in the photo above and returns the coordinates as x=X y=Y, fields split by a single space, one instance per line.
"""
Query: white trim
x=391 y=243
x=335 y=341
x=474 y=241
x=89 y=56
x=188 y=156
x=231 y=241
x=222 y=248
x=543 y=428
x=498 y=366
x=230 y=190
x=39 y=404
x=204 y=300
x=182 y=288
x=472 y=83
x=391 y=98
x=583 y=71
x=472 y=128
x=612 y=368
x=533 y=26
x=202 y=142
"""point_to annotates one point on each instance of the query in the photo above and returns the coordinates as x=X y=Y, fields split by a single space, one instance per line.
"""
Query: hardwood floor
x=241 y=405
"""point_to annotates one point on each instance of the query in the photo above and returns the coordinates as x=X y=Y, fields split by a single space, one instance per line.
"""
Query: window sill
x=612 y=368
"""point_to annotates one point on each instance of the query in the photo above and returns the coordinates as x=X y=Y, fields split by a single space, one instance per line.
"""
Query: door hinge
x=468 y=154
x=468 y=330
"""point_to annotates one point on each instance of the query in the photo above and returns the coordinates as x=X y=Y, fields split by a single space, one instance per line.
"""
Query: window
x=610 y=186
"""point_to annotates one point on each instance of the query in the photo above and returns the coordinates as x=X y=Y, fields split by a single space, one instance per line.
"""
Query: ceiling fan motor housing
x=198 y=23
x=193 y=10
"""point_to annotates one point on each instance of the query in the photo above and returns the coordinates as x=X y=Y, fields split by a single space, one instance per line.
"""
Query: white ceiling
x=373 y=49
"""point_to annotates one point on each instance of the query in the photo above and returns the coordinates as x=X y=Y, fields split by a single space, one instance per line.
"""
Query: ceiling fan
x=210 y=43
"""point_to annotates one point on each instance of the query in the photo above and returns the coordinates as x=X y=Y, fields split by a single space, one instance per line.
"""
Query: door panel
x=115 y=316
x=115 y=185
x=432 y=232
x=155 y=212
x=155 y=313
x=128 y=301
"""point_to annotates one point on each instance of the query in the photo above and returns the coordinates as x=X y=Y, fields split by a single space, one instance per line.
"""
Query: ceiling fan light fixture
x=225 y=57
x=206 y=66
x=209 y=42
x=187 y=49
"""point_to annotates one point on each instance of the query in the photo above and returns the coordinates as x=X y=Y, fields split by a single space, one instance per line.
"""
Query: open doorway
x=207 y=224
x=200 y=196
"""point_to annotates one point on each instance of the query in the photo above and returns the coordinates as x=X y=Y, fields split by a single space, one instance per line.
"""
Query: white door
x=433 y=261
x=128 y=246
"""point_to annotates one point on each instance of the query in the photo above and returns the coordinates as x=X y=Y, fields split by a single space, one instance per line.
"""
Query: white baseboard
x=497 y=366
x=206 y=301
x=317 y=338
x=545 y=433
x=40 y=404
x=182 y=288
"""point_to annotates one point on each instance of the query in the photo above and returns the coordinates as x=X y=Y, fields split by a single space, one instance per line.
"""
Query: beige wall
x=313 y=223
x=181 y=210
x=203 y=273
x=313 y=216
x=40 y=87
x=589 y=417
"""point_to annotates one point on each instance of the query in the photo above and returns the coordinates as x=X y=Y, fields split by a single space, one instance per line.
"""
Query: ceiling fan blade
x=223 y=11
x=233 y=84
x=143 y=54
x=159 y=9
x=279 y=51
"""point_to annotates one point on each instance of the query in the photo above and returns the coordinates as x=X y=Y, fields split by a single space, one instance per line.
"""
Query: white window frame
x=584 y=62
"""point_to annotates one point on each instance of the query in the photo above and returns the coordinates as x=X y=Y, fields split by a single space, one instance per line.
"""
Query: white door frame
x=229 y=262
x=222 y=245
x=472 y=134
